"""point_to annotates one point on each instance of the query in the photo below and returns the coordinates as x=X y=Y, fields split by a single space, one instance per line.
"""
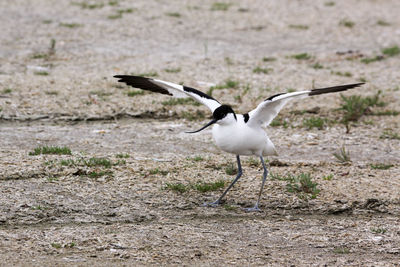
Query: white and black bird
x=239 y=134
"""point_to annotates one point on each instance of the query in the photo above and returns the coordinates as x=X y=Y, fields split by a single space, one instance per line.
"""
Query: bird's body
x=238 y=138
x=239 y=134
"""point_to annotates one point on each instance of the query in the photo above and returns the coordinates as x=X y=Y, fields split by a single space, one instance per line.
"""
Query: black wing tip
x=334 y=89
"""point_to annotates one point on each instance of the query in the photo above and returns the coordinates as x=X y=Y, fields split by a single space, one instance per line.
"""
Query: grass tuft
x=51 y=150
x=220 y=6
x=177 y=187
x=314 y=122
x=347 y=23
x=343 y=155
x=298 y=26
x=302 y=56
x=180 y=101
x=381 y=166
x=388 y=134
x=262 y=70
x=391 y=51
x=206 y=187
x=302 y=185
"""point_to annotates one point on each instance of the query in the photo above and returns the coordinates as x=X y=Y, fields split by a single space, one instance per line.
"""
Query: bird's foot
x=253 y=209
x=212 y=204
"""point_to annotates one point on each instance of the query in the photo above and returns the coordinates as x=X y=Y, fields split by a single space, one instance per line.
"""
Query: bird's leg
x=255 y=208
x=218 y=201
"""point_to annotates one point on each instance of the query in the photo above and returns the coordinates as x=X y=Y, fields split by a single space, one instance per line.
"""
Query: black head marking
x=272 y=97
x=222 y=111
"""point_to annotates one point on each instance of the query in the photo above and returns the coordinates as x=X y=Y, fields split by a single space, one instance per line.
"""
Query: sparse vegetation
x=196 y=158
x=228 y=84
x=133 y=93
x=6 y=91
x=382 y=23
x=41 y=73
x=328 y=177
x=173 y=70
x=173 y=14
x=220 y=6
x=317 y=66
x=122 y=155
x=389 y=134
x=231 y=169
x=262 y=70
x=378 y=230
x=278 y=121
x=330 y=3
x=177 y=187
x=180 y=101
x=268 y=59
x=302 y=56
x=341 y=250
x=347 y=23
x=342 y=155
x=206 y=187
x=369 y=60
x=120 y=12
x=302 y=185
x=50 y=150
x=71 y=25
x=343 y=74
x=298 y=26
x=381 y=166
x=192 y=116
x=391 y=51
x=314 y=122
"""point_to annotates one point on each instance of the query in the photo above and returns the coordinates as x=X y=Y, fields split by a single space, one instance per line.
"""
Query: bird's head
x=224 y=114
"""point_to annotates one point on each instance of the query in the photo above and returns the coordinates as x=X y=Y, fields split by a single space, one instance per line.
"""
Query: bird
x=238 y=134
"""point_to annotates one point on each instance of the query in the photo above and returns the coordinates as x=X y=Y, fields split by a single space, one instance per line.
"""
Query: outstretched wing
x=270 y=107
x=169 y=88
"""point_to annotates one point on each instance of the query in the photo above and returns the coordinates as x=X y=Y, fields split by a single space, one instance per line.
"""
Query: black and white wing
x=168 y=88
x=270 y=107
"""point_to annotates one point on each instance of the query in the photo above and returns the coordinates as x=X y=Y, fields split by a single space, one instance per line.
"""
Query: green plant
x=299 y=26
x=219 y=6
x=173 y=70
x=389 y=134
x=197 y=158
x=262 y=70
x=343 y=74
x=7 y=91
x=133 y=93
x=312 y=122
x=180 y=101
x=54 y=150
x=317 y=66
x=70 y=25
x=173 y=14
x=230 y=169
x=301 y=184
x=228 y=84
x=347 y=23
x=67 y=162
x=328 y=177
x=381 y=166
x=302 y=56
x=341 y=250
x=382 y=23
x=97 y=174
x=192 y=116
x=368 y=60
x=206 y=187
x=123 y=155
x=177 y=187
x=343 y=155
x=268 y=59
x=41 y=73
x=391 y=51
x=378 y=230
x=91 y=162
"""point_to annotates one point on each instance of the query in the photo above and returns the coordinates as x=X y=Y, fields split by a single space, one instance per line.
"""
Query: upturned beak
x=205 y=126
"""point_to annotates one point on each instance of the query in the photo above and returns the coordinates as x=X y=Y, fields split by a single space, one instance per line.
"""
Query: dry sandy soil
x=54 y=212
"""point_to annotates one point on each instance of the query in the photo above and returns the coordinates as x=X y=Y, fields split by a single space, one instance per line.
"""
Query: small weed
x=391 y=51
x=192 y=116
x=173 y=70
x=268 y=59
x=85 y=5
x=113 y=3
x=38 y=207
x=47 y=21
x=71 y=25
x=228 y=84
x=388 y=134
x=343 y=74
x=253 y=162
x=316 y=122
x=115 y=16
x=52 y=179
x=177 y=187
x=158 y=171
x=341 y=250
x=6 y=91
x=298 y=26
x=262 y=70
x=56 y=245
x=347 y=23
x=146 y=74
x=386 y=113
x=219 y=6
x=228 y=61
x=378 y=230
x=381 y=166
x=301 y=184
x=317 y=66
x=173 y=14
x=197 y=158
x=180 y=101
x=278 y=121
x=41 y=73
x=382 y=23
x=206 y=187
x=230 y=207
x=328 y=177
x=133 y=93
x=122 y=156
x=104 y=162
x=97 y=174
x=368 y=60
x=51 y=92
x=231 y=169
x=52 y=150
x=343 y=155
x=39 y=55
x=330 y=3
x=70 y=245
x=302 y=56
x=67 y=162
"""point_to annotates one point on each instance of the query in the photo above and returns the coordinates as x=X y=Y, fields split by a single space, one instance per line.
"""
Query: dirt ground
x=57 y=59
